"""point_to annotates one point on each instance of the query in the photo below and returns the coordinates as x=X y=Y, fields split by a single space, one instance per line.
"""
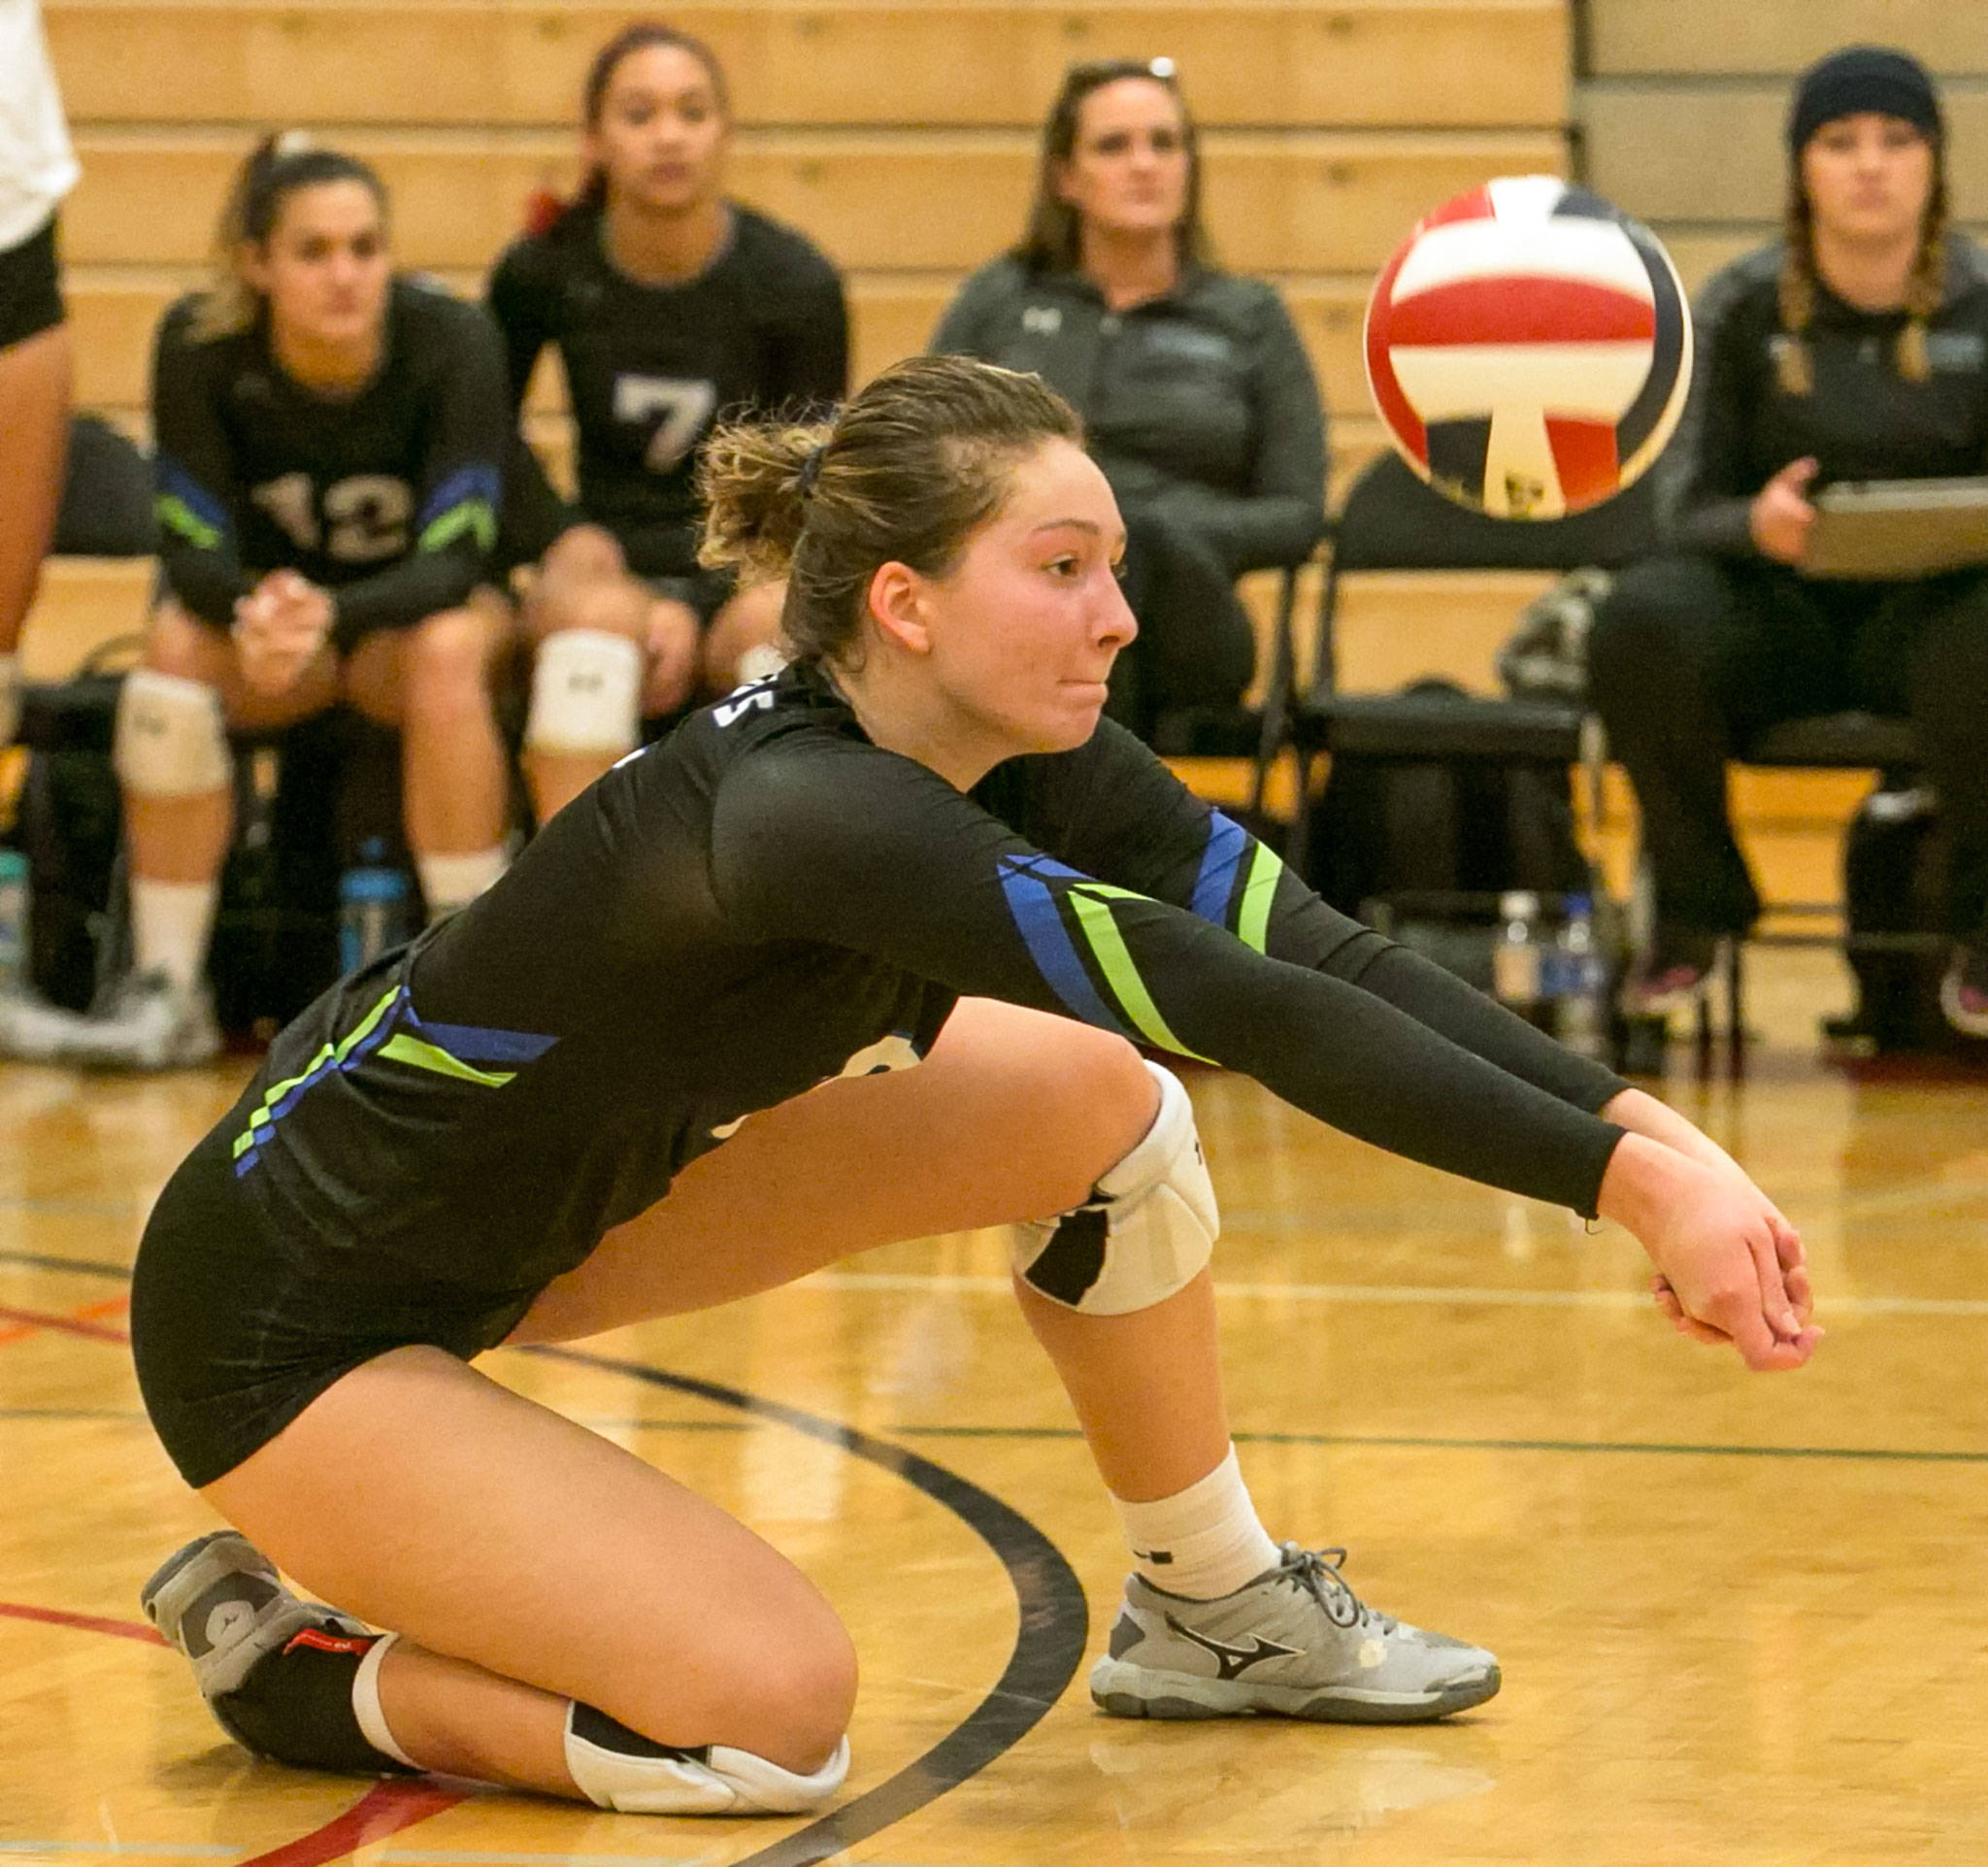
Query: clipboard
x=1897 y=528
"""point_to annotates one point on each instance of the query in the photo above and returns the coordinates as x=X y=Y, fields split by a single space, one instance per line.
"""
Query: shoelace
x=1316 y=1572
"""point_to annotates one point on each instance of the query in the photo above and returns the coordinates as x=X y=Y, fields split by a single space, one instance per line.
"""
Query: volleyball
x=1528 y=349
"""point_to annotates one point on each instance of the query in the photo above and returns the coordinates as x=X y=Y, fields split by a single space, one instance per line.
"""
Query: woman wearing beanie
x=1854 y=347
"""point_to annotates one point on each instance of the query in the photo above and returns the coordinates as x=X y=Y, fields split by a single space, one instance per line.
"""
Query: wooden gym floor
x=1742 y=1621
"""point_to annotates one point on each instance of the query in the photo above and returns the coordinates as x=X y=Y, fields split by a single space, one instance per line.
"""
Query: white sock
x=452 y=881
x=366 y=1703
x=171 y=923
x=1203 y=1542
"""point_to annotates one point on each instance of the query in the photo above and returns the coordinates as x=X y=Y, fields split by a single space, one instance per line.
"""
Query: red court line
x=89 y=1624
x=383 y=1810
x=66 y=1325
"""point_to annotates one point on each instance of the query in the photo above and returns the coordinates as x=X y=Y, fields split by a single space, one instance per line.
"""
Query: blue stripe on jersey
x=1039 y=922
x=350 y=1060
x=481 y=1043
x=1227 y=843
x=176 y=482
x=477 y=481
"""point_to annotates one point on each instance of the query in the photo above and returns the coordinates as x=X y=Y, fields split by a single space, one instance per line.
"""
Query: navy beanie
x=1864 y=77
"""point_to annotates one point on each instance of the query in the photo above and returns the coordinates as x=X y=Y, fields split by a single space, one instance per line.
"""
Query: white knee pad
x=1146 y=1232
x=586 y=693
x=616 y=1769
x=169 y=740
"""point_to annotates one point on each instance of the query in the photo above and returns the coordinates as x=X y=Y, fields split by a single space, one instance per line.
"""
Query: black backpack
x=1895 y=883
x=1468 y=828
x=334 y=783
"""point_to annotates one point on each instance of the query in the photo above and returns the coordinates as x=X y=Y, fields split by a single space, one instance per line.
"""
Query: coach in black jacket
x=1856 y=347
x=1197 y=396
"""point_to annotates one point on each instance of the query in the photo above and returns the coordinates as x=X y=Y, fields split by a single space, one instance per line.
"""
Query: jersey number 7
x=683 y=404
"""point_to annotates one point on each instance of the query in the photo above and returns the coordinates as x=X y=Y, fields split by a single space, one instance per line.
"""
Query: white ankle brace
x=614 y=1768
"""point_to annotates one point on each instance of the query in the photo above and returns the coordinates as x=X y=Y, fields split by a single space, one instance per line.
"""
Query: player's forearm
x=1644 y=1115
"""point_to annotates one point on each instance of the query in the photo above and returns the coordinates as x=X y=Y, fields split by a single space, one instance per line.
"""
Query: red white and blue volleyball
x=1528 y=349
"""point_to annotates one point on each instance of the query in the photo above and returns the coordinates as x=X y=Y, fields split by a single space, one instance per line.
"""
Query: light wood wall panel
x=1276 y=200
x=1631 y=36
x=1712 y=154
x=1365 y=62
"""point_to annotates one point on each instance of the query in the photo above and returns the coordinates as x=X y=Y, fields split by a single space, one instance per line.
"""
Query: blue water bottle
x=372 y=908
x=13 y=922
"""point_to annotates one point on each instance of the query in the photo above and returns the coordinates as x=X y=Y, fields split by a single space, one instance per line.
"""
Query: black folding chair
x=1257 y=733
x=1392 y=521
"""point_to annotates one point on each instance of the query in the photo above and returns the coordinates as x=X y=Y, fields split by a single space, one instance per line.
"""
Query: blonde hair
x=907 y=472
x=1925 y=287
x=282 y=163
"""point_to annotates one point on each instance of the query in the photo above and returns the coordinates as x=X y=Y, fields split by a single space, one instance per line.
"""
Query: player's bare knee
x=447 y=660
x=789 y=1700
x=614 y=603
x=1095 y=1107
x=803 y=1703
x=174 y=644
x=584 y=550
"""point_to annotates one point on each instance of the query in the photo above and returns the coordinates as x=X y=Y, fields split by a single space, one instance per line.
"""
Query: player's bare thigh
x=1015 y=1114
x=426 y=1498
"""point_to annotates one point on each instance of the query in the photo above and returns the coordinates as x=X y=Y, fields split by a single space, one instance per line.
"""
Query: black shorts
x=30 y=290
x=236 y=1328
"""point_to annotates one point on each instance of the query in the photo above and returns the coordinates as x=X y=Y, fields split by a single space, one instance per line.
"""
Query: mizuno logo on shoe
x=1235 y=1661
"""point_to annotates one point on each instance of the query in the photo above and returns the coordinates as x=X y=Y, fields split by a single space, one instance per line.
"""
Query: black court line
x=1048 y=1643
x=1644 y=1448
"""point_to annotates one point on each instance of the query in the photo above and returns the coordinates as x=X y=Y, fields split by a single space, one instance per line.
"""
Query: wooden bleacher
x=1681 y=108
x=902 y=139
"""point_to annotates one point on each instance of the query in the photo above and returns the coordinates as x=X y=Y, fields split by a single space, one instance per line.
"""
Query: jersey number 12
x=366 y=515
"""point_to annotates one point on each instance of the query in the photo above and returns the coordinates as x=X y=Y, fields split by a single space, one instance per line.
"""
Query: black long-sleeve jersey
x=767 y=900
x=387 y=498
x=650 y=368
x=1862 y=419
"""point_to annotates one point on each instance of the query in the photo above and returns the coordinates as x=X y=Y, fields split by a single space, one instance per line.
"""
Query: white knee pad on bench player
x=586 y=693
x=1146 y=1232
x=616 y=1769
x=169 y=739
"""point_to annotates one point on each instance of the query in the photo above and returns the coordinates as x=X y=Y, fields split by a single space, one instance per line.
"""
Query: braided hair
x=1925 y=286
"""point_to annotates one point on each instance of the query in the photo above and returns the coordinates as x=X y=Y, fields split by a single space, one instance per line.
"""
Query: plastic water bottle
x=372 y=908
x=1516 y=972
x=1579 y=982
x=14 y=922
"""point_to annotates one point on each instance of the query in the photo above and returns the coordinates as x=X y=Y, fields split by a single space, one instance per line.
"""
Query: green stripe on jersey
x=177 y=516
x=474 y=516
x=1114 y=959
x=330 y=1053
x=1252 y=912
x=403 y=1049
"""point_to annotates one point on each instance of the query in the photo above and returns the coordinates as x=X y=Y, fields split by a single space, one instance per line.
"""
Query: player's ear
x=900 y=607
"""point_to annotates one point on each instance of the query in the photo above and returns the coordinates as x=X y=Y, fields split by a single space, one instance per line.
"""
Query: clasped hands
x=279 y=626
x=1730 y=1269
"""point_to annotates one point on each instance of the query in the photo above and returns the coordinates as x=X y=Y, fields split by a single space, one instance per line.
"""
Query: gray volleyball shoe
x=1295 y=1642
x=219 y=1602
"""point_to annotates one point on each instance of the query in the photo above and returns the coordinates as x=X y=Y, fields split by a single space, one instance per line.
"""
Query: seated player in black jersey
x=1854 y=347
x=672 y=1057
x=37 y=169
x=667 y=304
x=329 y=439
x=1193 y=385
